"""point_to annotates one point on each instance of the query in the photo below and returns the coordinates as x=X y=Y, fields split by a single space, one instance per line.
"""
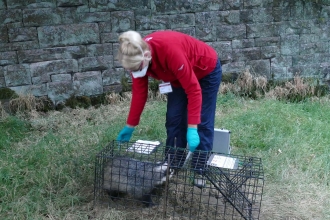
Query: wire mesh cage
x=153 y=181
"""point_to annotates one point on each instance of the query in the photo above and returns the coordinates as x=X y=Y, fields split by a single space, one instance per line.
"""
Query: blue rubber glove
x=193 y=139
x=125 y=134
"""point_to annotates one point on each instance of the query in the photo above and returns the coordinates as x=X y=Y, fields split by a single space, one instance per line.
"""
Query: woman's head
x=133 y=51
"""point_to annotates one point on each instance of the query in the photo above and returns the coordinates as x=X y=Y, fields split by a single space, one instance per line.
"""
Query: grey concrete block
x=17 y=75
x=88 y=83
x=68 y=35
x=8 y=58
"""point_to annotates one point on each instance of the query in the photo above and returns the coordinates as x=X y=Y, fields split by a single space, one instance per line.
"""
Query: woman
x=191 y=72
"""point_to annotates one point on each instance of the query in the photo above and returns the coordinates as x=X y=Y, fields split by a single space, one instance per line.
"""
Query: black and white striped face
x=162 y=170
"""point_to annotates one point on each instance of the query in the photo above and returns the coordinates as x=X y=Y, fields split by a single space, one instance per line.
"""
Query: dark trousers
x=176 y=119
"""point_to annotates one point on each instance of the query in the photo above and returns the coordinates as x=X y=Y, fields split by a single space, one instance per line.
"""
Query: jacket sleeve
x=139 y=99
x=179 y=64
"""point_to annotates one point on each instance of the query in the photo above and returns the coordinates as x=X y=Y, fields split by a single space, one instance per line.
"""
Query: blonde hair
x=131 y=50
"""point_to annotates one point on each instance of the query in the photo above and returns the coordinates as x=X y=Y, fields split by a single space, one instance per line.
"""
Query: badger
x=138 y=179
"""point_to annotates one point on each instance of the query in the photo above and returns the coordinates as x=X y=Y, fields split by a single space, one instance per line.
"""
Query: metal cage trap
x=152 y=181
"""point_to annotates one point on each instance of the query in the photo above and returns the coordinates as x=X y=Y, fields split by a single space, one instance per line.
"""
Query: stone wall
x=60 y=48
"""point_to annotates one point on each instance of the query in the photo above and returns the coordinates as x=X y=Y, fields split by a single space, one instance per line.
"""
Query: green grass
x=47 y=162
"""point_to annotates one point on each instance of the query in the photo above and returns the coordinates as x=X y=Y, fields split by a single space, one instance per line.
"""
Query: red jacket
x=179 y=59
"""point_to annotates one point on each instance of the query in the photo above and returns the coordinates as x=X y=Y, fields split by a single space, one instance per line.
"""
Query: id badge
x=165 y=88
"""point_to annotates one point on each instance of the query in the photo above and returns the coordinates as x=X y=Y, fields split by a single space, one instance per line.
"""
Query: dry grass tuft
x=251 y=86
x=24 y=103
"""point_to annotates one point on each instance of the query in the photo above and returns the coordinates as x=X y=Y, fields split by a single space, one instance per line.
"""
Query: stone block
x=290 y=45
x=8 y=58
x=54 y=67
x=115 y=5
x=92 y=17
x=99 y=49
x=58 y=92
x=246 y=16
x=262 y=15
x=281 y=13
x=246 y=54
x=253 y=3
x=36 y=90
x=113 y=76
x=88 y=83
x=243 y=43
x=24 y=45
x=2 y=82
x=188 y=30
x=41 y=17
x=233 y=67
x=232 y=5
x=109 y=37
x=228 y=32
x=260 y=30
x=56 y=53
x=68 y=35
x=105 y=27
x=259 y=67
x=61 y=77
x=116 y=88
x=268 y=52
x=183 y=6
x=122 y=21
x=2 y=71
x=71 y=3
x=95 y=63
x=182 y=20
x=17 y=75
x=267 y=41
x=224 y=49
x=2 y=4
x=3 y=34
x=206 y=25
x=157 y=22
x=10 y=16
x=23 y=34
x=31 y=4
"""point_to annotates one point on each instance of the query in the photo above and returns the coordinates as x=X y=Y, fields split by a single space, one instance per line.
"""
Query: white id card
x=165 y=88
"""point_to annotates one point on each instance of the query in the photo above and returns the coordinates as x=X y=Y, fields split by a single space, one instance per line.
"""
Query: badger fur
x=124 y=175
